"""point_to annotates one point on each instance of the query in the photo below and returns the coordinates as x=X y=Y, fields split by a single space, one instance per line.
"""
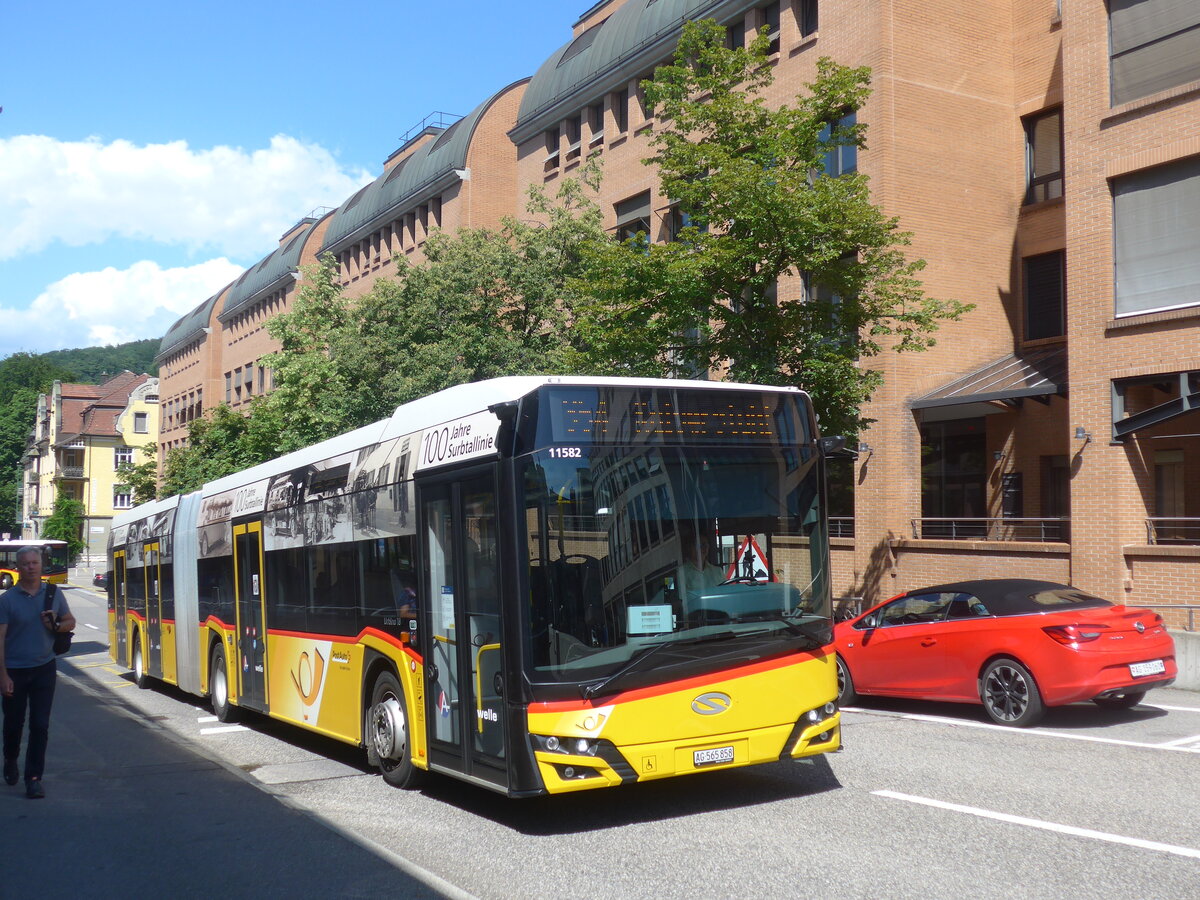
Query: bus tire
x=218 y=686
x=387 y=737
x=139 y=664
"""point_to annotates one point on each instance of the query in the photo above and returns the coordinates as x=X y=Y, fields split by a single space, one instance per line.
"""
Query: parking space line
x=1189 y=852
x=222 y=729
x=1035 y=732
x=1194 y=739
x=1195 y=709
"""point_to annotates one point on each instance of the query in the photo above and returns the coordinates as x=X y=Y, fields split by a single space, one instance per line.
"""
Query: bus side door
x=464 y=694
x=250 y=610
x=120 y=608
x=152 y=572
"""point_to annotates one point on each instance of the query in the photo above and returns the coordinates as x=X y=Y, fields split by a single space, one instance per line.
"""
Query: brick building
x=1045 y=154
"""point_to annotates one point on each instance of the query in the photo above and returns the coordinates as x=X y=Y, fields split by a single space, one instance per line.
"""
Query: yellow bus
x=535 y=584
x=54 y=561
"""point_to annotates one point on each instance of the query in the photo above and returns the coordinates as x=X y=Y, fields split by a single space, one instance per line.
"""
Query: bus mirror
x=834 y=445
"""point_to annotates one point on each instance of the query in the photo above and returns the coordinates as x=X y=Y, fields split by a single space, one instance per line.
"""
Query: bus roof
x=31 y=542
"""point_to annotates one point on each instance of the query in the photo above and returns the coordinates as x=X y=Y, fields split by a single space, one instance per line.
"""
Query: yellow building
x=82 y=433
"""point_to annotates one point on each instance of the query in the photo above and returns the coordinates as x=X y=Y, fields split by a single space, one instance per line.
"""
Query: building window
x=122 y=499
x=122 y=455
x=633 y=217
x=770 y=19
x=228 y=388
x=1156 y=234
x=1169 y=494
x=552 y=141
x=1043 y=157
x=953 y=477
x=141 y=423
x=595 y=125
x=806 y=17
x=840 y=159
x=735 y=34
x=620 y=108
x=1154 y=45
x=1045 y=287
x=574 y=137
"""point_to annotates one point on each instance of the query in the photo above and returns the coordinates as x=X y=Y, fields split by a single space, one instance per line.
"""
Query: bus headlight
x=572 y=746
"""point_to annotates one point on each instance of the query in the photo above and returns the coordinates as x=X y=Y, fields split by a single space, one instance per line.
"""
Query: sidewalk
x=130 y=810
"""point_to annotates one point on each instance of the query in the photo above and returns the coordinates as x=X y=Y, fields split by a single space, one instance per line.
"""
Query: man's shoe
x=10 y=771
x=34 y=789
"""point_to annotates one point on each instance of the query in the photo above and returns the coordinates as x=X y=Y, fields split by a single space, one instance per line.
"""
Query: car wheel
x=387 y=735
x=1010 y=695
x=1126 y=700
x=846 y=692
x=218 y=686
x=139 y=664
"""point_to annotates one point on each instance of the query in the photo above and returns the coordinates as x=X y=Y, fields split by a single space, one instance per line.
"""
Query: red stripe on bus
x=778 y=662
x=346 y=639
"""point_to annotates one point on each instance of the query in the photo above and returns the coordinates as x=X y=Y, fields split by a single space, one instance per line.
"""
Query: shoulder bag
x=62 y=639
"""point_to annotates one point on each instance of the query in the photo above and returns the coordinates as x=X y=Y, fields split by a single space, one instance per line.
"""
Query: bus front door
x=251 y=660
x=151 y=572
x=120 y=608
x=464 y=693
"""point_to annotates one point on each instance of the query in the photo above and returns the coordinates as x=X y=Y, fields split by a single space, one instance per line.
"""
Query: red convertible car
x=1014 y=645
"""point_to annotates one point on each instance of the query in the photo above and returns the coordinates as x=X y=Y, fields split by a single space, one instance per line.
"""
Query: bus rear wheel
x=387 y=735
x=218 y=686
x=139 y=664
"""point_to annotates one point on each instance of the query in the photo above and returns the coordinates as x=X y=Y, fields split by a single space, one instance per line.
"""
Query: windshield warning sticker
x=750 y=563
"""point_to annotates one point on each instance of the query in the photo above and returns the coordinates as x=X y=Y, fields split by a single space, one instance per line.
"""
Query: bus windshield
x=663 y=562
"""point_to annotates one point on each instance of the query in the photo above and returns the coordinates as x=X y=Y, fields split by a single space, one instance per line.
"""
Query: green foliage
x=219 y=443
x=141 y=478
x=92 y=365
x=66 y=523
x=751 y=178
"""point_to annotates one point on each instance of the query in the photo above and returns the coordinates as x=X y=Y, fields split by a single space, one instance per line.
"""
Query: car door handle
x=928 y=642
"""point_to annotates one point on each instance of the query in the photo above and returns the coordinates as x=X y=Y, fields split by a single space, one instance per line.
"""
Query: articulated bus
x=54 y=561
x=535 y=584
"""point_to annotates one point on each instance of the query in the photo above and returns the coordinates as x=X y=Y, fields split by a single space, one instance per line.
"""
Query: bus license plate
x=1154 y=667
x=712 y=757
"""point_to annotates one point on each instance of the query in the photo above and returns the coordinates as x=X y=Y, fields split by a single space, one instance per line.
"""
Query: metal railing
x=1173 y=530
x=70 y=471
x=841 y=526
x=1190 y=608
x=992 y=529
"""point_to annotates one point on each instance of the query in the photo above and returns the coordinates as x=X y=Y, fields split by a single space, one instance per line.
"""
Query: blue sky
x=150 y=151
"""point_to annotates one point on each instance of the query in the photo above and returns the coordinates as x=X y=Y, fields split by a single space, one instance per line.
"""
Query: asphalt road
x=927 y=800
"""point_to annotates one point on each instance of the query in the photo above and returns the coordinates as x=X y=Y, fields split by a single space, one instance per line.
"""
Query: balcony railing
x=1173 y=530
x=841 y=526
x=992 y=529
x=70 y=472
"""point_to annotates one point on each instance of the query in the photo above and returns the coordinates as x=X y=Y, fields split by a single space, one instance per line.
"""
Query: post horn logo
x=711 y=704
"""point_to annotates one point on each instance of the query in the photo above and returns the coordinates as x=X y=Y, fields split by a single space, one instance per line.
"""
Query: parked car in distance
x=100 y=580
x=1015 y=645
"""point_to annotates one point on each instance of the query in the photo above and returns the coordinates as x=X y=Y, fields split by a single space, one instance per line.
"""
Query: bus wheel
x=387 y=734
x=139 y=664
x=218 y=686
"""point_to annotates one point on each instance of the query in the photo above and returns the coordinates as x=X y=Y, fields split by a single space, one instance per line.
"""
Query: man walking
x=27 y=667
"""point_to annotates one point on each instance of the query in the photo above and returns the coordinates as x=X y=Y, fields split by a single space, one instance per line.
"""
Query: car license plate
x=1154 y=667
x=712 y=757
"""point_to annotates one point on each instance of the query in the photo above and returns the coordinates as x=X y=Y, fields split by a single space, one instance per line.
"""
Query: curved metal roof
x=269 y=270
x=189 y=326
x=636 y=26
x=431 y=161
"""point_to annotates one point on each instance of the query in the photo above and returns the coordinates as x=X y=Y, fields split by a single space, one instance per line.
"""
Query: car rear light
x=1074 y=634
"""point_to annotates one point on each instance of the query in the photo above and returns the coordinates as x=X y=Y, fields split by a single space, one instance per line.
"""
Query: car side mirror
x=871 y=621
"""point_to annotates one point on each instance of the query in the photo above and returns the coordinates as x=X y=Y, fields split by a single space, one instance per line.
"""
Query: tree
x=483 y=303
x=66 y=523
x=785 y=273
x=218 y=444
x=141 y=478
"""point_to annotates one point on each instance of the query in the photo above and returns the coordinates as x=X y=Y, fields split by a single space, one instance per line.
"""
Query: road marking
x=89 y=625
x=1194 y=739
x=222 y=729
x=1008 y=729
x=207 y=719
x=1046 y=826
x=1195 y=709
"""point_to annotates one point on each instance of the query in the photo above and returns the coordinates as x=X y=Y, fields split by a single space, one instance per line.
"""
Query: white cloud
x=227 y=198
x=113 y=306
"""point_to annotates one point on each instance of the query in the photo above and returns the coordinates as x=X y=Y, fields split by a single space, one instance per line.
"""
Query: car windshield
x=660 y=562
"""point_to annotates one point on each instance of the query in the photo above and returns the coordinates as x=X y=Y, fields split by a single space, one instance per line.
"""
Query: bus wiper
x=635 y=662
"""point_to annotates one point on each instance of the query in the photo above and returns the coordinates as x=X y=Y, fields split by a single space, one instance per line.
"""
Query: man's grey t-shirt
x=28 y=642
